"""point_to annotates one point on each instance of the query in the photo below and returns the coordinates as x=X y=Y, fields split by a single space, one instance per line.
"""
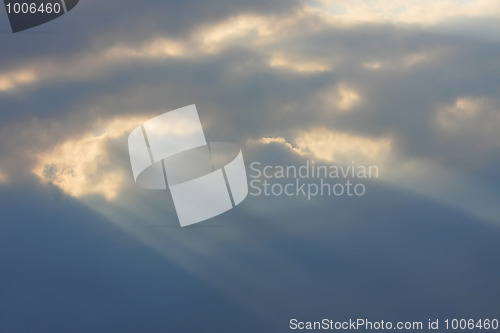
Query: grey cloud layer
x=250 y=98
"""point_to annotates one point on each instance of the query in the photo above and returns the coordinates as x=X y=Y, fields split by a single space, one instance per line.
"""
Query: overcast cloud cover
x=409 y=86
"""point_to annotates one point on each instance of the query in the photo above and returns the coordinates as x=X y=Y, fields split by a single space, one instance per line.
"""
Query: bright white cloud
x=423 y=12
x=81 y=166
x=279 y=140
x=338 y=147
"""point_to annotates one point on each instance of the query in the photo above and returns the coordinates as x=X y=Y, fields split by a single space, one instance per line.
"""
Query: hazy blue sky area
x=411 y=87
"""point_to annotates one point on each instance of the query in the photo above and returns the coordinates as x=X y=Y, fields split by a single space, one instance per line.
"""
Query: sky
x=410 y=87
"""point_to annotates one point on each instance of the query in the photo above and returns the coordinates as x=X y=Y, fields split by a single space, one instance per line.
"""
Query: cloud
x=302 y=66
x=218 y=35
x=425 y=12
x=157 y=48
x=251 y=30
x=97 y=63
x=465 y=111
x=273 y=36
x=260 y=74
x=12 y=79
x=3 y=177
x=335 y=147
x=307 y=83
x=344 y=98
x=372 y=65
x=82 y=166
x=90 y=66
x=410 y=60
x=469 y=121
